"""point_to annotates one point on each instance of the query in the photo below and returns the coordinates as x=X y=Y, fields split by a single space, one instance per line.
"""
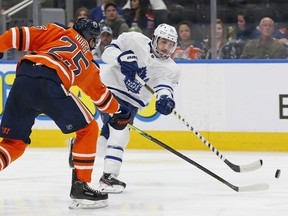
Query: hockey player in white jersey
x=130 y=54
x=134 y=53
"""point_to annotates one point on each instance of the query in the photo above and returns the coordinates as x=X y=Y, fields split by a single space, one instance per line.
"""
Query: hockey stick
x=237 y=168
x=255 y=187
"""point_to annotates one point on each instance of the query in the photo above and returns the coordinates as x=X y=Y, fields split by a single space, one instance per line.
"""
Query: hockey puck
x=277 y=173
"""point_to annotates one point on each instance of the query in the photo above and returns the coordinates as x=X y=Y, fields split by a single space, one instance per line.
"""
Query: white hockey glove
x=128 y=64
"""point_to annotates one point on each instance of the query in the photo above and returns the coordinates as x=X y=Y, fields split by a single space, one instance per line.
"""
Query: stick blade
x=251 y=167
x=244 y=168
x=256 y=187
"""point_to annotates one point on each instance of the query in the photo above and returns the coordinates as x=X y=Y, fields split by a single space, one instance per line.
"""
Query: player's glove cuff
x=121 y=118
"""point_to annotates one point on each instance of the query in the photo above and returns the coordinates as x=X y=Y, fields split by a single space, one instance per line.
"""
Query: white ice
x=159 y=183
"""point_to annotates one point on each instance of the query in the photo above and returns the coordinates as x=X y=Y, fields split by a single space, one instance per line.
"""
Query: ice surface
x=158 y=183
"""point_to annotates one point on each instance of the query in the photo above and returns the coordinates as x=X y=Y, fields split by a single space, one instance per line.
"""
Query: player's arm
x=165 y=92
x=111 y=53
x=6 y=40
x=98 y=92
x=114 y=49
x=117 y=53
x=104 y=99
x=28 y=38
x=165 y=98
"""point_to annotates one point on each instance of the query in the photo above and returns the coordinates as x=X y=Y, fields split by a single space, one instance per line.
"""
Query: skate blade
x=87 y=204
x=111 y=189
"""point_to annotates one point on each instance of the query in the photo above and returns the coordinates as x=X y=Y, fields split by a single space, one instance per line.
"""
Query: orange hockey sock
x=84 y=151
x=10 y=150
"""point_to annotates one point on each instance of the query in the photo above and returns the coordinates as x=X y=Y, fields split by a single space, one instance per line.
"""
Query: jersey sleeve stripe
x=164 y=89
x=102 y=97
x=163 y=86
x=27 y=34
x=104 y=104
x=14 y=38
x=20 y=39
x=105 y=107
x=108 y=98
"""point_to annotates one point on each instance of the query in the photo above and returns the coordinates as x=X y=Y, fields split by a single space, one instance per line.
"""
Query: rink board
x=230 y=141
x=237 y=105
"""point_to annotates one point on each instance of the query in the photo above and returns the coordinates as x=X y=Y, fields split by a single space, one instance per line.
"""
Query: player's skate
x=85 y=197
x=110 y=184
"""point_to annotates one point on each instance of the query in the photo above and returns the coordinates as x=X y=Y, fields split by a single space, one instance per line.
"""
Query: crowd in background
x=244 y=29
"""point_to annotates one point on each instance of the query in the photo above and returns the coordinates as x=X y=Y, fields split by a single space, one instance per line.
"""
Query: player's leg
x=116 y=142
x=101 y=146
x=113 y=159
x=84 y=151
x=116 y=145
x=10 y=150
x=75 y=117
x=17 y=120
x=83 y=196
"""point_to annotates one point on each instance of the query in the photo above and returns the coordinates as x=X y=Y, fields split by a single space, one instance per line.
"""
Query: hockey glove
x=128 y=64
x=120 y=119
x=1 y=55
x=165 y=105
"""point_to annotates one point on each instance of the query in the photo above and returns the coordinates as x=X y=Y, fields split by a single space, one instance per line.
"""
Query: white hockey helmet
x=164 y=31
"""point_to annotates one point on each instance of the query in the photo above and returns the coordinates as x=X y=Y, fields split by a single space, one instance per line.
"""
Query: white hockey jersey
x=160 y=74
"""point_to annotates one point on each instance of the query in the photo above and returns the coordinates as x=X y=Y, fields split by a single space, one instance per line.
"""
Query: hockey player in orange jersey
x=58 y=58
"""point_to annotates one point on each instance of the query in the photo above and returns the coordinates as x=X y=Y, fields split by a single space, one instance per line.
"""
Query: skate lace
x=91 y=189
x=112 y=177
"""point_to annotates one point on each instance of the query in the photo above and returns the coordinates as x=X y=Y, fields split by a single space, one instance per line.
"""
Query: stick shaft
x=234 y=167
x=235 y=188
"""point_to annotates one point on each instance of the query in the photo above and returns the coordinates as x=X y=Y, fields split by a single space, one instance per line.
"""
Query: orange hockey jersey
x=65 y=51
x=189 y=52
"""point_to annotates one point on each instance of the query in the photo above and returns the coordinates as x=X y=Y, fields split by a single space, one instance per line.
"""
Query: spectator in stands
x=185 y=48
x=282 y=33
x=155 y=4
x=140 y=14
x=246 y=27
x=114 y=20
x=98 y=13
x=159 y=10
x=220 y=42
x=81 y=12
x=106 y=37
x=265 y=47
